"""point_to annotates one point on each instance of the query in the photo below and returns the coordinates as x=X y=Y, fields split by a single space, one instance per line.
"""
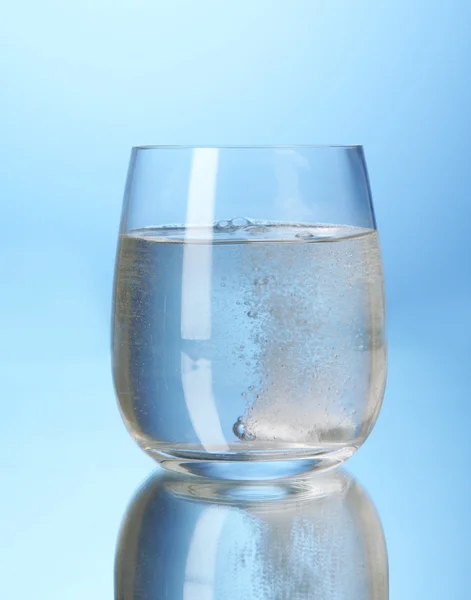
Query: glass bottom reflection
x=314 y=537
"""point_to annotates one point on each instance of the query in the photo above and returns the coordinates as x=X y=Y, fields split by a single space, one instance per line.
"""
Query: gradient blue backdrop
x=80 y=84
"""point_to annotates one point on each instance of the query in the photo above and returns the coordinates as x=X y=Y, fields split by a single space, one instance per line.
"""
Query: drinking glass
x=195 y=539
x=248 y=313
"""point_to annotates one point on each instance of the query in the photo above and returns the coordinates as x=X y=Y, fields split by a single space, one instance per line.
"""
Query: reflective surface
x=65 y=492
x=317 y=538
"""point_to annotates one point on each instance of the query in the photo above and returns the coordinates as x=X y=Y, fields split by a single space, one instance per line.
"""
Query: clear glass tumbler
x=248 y=328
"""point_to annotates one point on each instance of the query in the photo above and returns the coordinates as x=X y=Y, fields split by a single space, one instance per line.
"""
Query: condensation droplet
x=304 y=235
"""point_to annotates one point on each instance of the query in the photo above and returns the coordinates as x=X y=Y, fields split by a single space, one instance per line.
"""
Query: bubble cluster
x=240 y=430
x=235 y=223
x=246 y=229
x=301 y=335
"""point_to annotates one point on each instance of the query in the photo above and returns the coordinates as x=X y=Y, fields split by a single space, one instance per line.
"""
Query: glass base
x=252 y=465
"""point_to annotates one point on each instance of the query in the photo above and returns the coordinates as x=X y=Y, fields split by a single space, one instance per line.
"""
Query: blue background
x=83 y=82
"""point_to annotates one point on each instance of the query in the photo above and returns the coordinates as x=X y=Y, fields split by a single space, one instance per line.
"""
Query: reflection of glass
x=313 y=539
x=248 y=331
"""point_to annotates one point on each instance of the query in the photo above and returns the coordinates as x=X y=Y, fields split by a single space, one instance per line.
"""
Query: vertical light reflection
x=200 y=569
x=196 y=298
x=197 y=258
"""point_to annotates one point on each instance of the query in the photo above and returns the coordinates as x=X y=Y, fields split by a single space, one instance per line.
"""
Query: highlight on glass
x=248 y=314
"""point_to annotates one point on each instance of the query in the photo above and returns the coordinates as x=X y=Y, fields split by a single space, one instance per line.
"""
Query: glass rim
x=250 y=147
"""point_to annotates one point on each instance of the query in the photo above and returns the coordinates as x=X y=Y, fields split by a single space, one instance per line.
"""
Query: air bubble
x=240 y=430
x=304 y=234
x=251 y=388
x=262 y=280
x=223 y=284
x=240 y=222
x=252 y=314
x=223 y=224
